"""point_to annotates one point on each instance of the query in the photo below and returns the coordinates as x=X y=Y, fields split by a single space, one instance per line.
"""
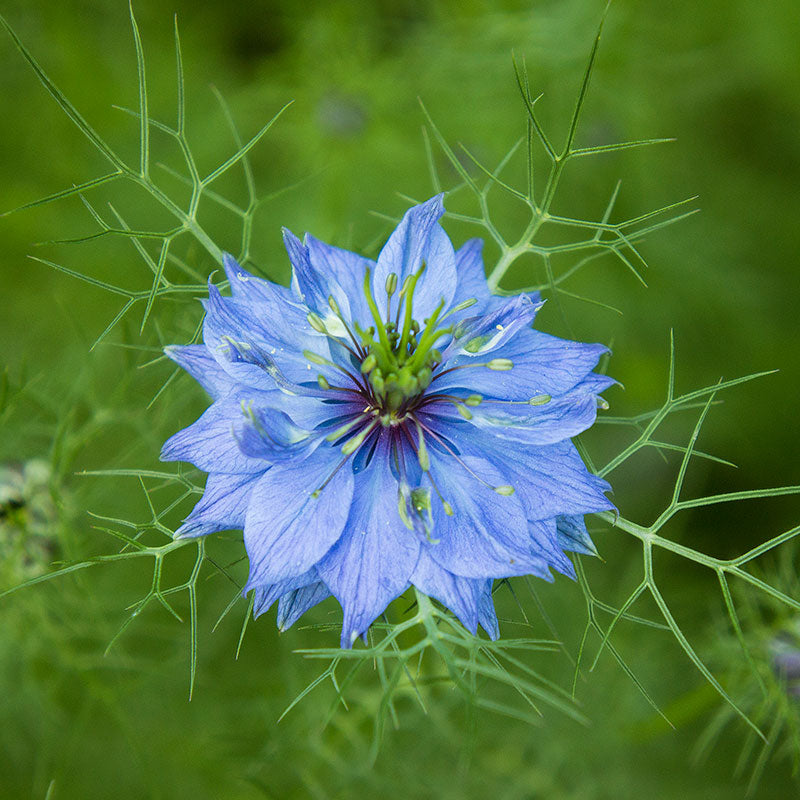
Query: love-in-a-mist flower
x=383 y=424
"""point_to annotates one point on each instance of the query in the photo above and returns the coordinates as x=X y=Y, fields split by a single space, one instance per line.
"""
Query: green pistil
x=399 y=361
x=351 y=445
x=408 y=297
x=422 y=450
x=346 y=428
x=426 y=341
x=384 y=352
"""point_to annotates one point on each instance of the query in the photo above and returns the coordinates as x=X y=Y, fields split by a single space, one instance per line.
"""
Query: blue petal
x=313 y=287
x=419 y=238
x=347 y=270
x=288 y=529
x=554 y=421
x=544 y=542
x=212 y=442
x=460 y=595
x=372 y=562
x=308 y=285
x=486 y=613
x=471 y=277
x=477 y=336
x=311 y=411
x=294 y=604
x=272 y=436
x=297 y=595
x=250 y=288
x=560 y=419
x=486 y=536
x=223 y=505
x=543 y=365
x=472 y=280
x=202 y=366
x=550 y=480
x=244 y=337
x=265 y=596
x=573 y=536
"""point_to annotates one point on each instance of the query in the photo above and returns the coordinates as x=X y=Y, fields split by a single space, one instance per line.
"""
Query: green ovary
x=400 y=354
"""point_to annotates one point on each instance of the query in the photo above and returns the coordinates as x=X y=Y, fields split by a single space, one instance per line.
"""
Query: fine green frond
x=120 y=315
x=618 y=239
x=109 y=287
x=592 y=301
x=734 y=497
x=244 y=150
x=436 y=182
x=651 y=539
x=587 y=76
x=60 y=98
x=184 y=213
x=460 y=660
x=629 y=602
x=144 y=126
x=493 y=176
x=159 y=273
x=671 y=405
x=181 y=120
x=689 y=450
x=74 y=567
x=448 y=151
x=592 y=624
x=737 y=628
x=524 y=89
x=252 y=198
x=610 y=148
x=771 y=544
x=77 y=189
x=695 y=659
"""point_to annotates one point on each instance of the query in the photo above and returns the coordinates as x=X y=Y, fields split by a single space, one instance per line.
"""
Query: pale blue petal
x=573 y=536
x=550 y=480
x=419 y=238
x=313 y=286
x=288 y=529
x=460 y=595
x=554 y=421
x=486 y=613
x=294 y=604
x=347 y=270
x=372 y=562
x=212 y=442
x=202 y=366
x=487 y=534
x=544 y=542
x=480 y=338
x=250 y=288
x=272 y=436
x=223 y=505
x=542 y=365
x=249 y=340
x=265 y=596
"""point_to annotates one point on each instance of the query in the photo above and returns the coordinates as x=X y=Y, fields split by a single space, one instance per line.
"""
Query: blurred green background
x=722 y=77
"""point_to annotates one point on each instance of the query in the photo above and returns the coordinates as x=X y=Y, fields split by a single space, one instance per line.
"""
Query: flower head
x=381 y=424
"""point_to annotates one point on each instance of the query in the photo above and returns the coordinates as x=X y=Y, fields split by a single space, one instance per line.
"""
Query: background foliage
x=720 y=77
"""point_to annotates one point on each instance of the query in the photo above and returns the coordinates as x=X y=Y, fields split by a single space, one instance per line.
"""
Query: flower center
x=397 y=360
x=399 y=354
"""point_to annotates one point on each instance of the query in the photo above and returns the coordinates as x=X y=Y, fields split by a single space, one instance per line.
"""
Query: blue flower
x=382 y=424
